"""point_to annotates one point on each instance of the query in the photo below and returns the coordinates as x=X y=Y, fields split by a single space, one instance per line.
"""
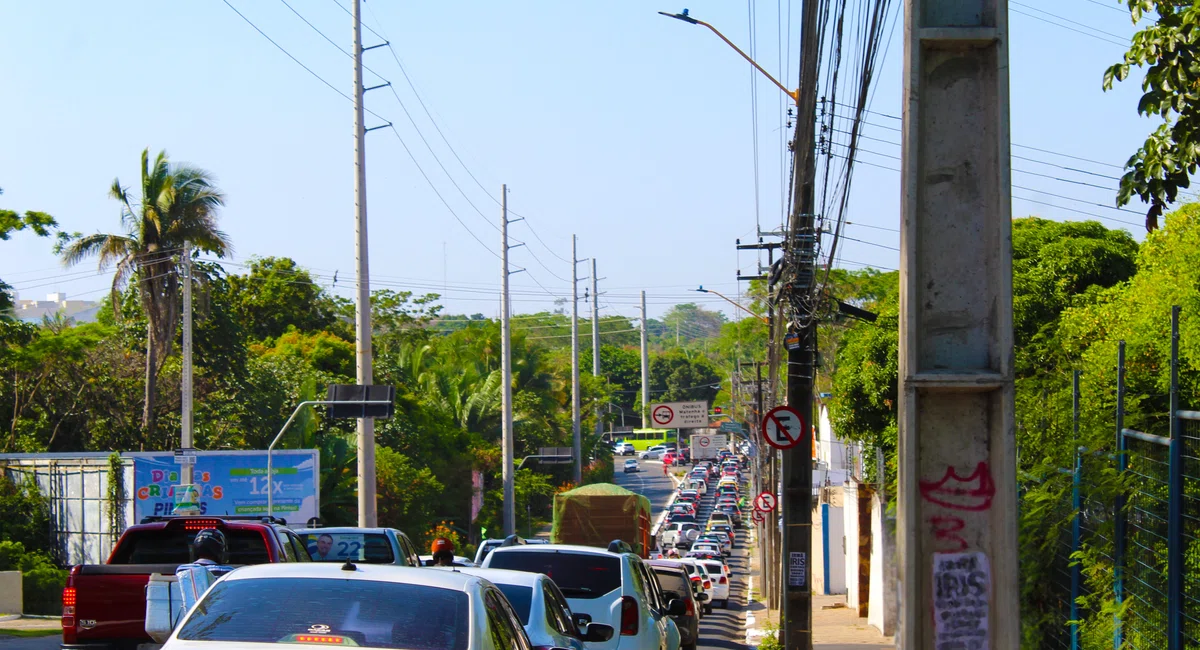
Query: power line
x=1068 y=20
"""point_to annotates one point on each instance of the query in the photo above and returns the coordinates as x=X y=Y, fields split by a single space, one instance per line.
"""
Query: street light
x=738 y=305
x=794 y=94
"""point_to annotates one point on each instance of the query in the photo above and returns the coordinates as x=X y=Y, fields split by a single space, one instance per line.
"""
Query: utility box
x=597 y=514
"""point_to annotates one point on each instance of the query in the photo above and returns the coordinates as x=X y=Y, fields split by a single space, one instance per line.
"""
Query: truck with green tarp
x=597 y=514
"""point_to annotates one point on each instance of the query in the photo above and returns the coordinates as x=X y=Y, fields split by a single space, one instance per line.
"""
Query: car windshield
x=521 y=598
x=673 y=582
x=369 y=548
x=578 y=575
x=331 y=611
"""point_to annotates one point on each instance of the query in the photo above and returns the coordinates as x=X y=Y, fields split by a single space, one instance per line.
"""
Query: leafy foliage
x=1167 y=49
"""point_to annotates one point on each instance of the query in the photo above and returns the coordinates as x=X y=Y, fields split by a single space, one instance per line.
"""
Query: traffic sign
x=783 y=427
x=765 y=502
x=679 y=415
x=757 y=516
x=704 y=441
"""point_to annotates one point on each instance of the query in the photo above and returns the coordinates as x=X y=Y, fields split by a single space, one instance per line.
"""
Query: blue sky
x=606 y=120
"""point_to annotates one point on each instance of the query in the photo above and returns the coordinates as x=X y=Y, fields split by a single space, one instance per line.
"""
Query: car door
x=558 y=618
x=658 y=619
x=504 y=627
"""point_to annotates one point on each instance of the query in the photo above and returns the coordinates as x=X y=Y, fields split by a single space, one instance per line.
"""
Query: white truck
x=705 y=445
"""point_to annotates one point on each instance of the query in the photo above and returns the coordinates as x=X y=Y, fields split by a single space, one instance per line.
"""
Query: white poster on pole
x=679 y=415
x=962 y=590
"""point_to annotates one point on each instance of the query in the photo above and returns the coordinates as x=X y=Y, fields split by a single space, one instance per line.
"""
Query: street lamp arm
x=794 y=94
x=735 y=304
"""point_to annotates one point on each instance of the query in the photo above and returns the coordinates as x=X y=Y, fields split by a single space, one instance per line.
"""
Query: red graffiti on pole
x=970 y=493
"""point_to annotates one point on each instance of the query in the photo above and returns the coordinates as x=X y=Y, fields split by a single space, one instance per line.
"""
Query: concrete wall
x=835 y=533
x=850 y=534
x=11 y=601
x=882 y=614
x=817 y=566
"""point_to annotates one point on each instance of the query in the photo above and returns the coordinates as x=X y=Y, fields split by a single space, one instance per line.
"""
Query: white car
x=704 y=548
x=613 y=587
x=720 y=575
x=654 y=453
x=679 y=534
x=624 y=449
x=631 y=465
x=543 y=609
x=330 y=604
x=720 y=539
x=698 y=484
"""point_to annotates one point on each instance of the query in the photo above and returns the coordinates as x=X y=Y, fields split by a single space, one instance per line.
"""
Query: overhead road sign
x=679 y=415
x=783 y=427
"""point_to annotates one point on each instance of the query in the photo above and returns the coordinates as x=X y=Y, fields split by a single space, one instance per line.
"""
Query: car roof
x=557 y=548
x=341 y=530
x=370 y=572
x=504 y=576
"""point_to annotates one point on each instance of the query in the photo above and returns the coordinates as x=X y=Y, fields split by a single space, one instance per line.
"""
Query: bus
x=643 y=439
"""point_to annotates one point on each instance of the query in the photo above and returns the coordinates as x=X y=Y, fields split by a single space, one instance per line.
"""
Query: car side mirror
x=702 y=598
x=676 y=607
x=581 y=620
x=597 y=633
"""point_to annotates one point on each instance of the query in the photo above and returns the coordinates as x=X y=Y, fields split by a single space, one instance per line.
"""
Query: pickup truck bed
x=104 y=605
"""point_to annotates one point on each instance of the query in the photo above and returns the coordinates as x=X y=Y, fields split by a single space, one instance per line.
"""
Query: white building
x=32 y=311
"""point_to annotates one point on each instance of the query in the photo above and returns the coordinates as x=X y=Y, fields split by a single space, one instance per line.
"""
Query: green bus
x=643 y=439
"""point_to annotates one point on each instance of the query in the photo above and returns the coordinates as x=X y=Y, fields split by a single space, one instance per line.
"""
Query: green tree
x=178 y=204
x=676 y=376
x=10 y=222
x=277 y=294
x=690 y=322
x=1167 y=49
x=409 y=495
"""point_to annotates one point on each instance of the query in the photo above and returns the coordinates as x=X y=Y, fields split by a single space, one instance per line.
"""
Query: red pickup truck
x=104 y=605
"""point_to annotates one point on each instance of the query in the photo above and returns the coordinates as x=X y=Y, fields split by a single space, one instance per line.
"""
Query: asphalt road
x=24 y=643
x=723 y=629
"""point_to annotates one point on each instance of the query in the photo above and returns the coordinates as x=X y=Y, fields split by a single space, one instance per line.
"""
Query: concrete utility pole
x=362 y=305
x=645 y=367
x=957 y=449
x=185 y=438
x=509 y=473
x=575 y=434
x=596 y=338
x=795 y=567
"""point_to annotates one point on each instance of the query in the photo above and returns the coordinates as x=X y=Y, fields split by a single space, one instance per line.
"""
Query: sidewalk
x=834 y=628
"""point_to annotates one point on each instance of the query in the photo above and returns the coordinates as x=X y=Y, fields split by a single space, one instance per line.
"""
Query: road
x=723 y=628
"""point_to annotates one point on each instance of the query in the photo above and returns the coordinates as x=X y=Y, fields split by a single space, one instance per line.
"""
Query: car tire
x=690 y=646
x=725 y=604
x=708 y=609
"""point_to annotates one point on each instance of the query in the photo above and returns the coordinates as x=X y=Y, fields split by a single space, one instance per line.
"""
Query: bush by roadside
x=41 y=581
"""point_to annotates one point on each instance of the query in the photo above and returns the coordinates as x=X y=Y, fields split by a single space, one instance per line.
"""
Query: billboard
x=232 y=483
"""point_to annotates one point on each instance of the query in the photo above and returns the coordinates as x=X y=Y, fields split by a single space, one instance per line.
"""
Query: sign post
x=765 y=502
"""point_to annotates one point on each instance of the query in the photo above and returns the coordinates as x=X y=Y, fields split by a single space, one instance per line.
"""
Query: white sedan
x=654 y=453
x=318 y=604
x=543 y=609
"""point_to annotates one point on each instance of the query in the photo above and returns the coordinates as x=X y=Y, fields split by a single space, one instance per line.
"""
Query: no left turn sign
x=765 y=502
x=783 y=427
x=663 y=414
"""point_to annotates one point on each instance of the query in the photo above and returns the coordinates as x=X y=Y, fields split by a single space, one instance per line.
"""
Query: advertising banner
x=232 y=483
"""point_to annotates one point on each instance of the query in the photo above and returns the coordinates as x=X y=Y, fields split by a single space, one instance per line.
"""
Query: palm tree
x=179 y=203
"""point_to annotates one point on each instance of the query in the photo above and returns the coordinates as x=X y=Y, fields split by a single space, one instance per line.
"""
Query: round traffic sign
x=783 y=427
x=663 y=414
x=765 y=502
x=704 y=441
x=757 y=516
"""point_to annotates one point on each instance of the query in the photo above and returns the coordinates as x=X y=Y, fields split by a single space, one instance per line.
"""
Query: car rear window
x=368 y=548
x=673 y=582
x=578 y=575
x=521 y=598
x=324 y=611
x=173 y=546
x=715 y=568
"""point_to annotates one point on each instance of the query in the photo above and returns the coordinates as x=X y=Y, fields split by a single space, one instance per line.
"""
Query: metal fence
x=1139 y=533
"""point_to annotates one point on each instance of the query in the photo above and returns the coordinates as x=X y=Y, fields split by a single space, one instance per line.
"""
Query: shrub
x=41 y=581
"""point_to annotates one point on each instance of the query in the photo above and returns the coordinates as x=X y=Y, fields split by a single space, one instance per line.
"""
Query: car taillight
x=629 y=616
x=201 y=524
x=723 y=581
x=68 y=609
x=708 y=584
x=690 y=610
